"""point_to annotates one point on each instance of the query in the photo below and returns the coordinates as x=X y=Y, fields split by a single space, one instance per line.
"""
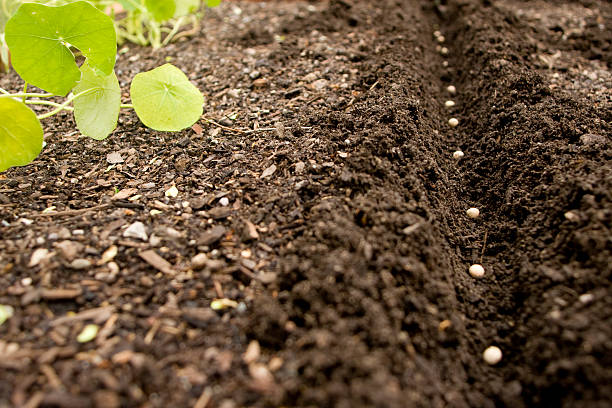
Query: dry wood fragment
x=34 y=401
x=152 y=258
x=218 y=288
x=125 y=193
x=132 y=244
x=70 y=212
x=59 y=294
x=52 y=378
x=107 y=330
x=251 y=230
x=268 y=171
x=152 y=331
x=204 y=399
x=212 y=235
x=98 y=315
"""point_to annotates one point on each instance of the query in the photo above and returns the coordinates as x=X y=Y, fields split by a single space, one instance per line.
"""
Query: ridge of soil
x=345 y=244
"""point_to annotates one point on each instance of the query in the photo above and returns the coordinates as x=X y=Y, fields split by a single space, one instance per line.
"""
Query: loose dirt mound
x=344 y=240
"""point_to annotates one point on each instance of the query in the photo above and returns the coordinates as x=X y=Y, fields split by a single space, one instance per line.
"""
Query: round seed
x=458 y=154
x=473 y=212
x=492 y=355
x=449 y=104
x=453 y=122
x=451 y=89
x=477 y=271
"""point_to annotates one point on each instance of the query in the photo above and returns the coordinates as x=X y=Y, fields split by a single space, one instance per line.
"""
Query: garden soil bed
x=343 y=251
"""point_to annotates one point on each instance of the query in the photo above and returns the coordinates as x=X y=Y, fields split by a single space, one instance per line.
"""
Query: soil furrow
x=544 y=187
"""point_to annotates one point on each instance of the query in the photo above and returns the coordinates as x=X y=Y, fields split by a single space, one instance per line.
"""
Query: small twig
x=222 y=126
x=484 y=246
x=204 y=399
x=70 y=212
x=100 y=314
x=314 y=99
x=246 y=132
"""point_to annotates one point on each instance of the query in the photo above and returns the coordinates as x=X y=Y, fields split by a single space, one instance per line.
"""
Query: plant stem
x=25 y=91
x=6 y=94
x=48 y=103
x=62 y=106
x=126 y=106
x=154 y=34
x=177 y=26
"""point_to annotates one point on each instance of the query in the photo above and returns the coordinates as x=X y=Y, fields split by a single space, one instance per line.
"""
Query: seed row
x=492 y=354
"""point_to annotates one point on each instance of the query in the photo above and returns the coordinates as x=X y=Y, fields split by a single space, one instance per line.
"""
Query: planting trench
x=345 y=243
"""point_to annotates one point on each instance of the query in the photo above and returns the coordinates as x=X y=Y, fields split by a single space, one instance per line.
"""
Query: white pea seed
x=458 y=154
x=451 y=89
x=453 y=122
x=477 y=271
x=492 y=355
x=571 y=216
x=473 y=212
x=224 y=201
x=444 y=51
x=445 y=64
x=437 y=33
x=449 y=104
x=440 y=39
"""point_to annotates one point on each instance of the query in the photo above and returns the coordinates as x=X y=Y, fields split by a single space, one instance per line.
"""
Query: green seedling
x=157 y=22
x=163 y=98
x=144 y=22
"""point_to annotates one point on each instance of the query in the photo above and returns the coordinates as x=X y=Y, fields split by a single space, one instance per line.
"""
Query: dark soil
x=345 y=246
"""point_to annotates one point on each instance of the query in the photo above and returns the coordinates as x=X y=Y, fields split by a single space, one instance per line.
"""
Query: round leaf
x=96 y=112
x=129 y=5
x=161 y=10
x=164 y=99
x=185 y=7
x=21 y=134
x=39 y=36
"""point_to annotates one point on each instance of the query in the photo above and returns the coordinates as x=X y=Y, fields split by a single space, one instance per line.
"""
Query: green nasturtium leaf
x=129 y=5
x=186 y=7
x=21 y=134
x=161 y=10
x=39 y=37
x=164 y=99
x=212 y=3
x=96 y=112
